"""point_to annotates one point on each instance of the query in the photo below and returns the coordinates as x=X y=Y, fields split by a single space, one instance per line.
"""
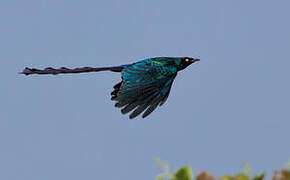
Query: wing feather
x=143 y=106
x=143 y=88
x=152 y=107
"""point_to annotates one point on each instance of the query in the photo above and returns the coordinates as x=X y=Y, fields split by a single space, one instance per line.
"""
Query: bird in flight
x=145 y=84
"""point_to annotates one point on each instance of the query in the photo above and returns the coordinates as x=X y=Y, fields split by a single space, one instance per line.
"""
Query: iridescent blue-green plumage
x=145 y=84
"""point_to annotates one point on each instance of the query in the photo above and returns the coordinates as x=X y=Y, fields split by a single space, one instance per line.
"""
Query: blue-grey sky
x=230 y=107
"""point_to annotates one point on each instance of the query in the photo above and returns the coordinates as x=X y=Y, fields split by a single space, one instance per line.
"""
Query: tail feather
x=64 y=70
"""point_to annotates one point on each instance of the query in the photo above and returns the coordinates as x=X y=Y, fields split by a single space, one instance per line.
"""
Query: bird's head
x=186 y=61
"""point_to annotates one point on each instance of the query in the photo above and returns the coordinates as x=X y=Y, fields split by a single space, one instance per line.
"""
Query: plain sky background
x=230 y=107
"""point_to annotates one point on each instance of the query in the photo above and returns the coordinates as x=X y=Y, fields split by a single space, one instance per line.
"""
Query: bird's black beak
x=194 y=60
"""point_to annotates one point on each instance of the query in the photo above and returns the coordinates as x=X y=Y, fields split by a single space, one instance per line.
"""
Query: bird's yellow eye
x=186 y=60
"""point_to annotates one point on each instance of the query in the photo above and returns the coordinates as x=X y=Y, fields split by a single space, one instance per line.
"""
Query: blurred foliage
x=288 y=165
x=185 y=173
x=283 y=174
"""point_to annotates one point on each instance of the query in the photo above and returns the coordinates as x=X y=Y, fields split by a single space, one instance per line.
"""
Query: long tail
x=64 y=70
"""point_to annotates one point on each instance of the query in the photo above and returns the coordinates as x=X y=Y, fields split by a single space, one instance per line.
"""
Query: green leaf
x=226 y=177
x=259 y=177
x=241 y=176
x=183 y=173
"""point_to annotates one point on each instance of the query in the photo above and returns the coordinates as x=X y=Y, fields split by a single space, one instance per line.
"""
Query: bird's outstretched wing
x=144 y=86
